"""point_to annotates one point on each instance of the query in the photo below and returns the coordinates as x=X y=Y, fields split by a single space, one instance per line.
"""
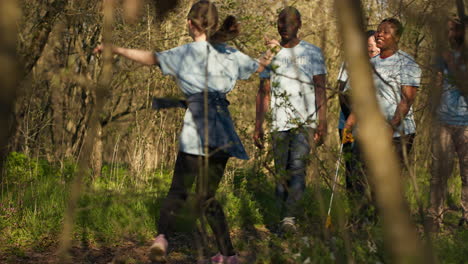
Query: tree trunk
x=100 y=91
x=375 y=138
x=31 y=51
x=9 y=74
x=98 y=148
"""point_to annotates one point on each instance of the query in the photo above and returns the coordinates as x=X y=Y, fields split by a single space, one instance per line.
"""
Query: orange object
x=347 y=136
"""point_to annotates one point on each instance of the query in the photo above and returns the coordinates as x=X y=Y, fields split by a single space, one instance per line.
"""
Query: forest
x=85 y=162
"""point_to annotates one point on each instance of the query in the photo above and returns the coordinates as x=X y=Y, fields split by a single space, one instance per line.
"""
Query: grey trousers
x=291 y=153
x=448 y=141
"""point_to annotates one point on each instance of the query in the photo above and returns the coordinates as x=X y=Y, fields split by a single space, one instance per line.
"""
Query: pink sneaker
x=158 y=249
x=221 y=259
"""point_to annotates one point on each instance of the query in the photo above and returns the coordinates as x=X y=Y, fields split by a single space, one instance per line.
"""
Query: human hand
x=392 y=127
x=320 y=133
x=272 y=44
x=259 y=138
x=272 y=49
x=98 y=49
x=347 y=136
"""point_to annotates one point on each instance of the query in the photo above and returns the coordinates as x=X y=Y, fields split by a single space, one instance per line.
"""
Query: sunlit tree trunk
x=31 y=51
x=93 y=128
x=98 y=148
x=375 y=138
x=9 y=73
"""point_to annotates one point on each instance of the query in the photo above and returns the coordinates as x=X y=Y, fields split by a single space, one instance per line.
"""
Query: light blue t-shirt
x=453 y=108
x=391 y=73
x=343 y=77
x=200 y=65
x=292 y=89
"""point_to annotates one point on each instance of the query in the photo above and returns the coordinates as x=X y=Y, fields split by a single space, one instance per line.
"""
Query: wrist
x=275 y=49
x=116 y=50
x=394 y=124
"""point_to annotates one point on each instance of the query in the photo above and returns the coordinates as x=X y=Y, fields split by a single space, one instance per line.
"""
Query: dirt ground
x=183 y=250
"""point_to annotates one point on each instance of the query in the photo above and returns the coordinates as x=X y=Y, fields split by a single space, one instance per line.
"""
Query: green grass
x=112 y=208
x=118 y=207
x=32 y=200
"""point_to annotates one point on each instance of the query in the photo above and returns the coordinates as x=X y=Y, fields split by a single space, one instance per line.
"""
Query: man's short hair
x=290 y=10
x=396 y=24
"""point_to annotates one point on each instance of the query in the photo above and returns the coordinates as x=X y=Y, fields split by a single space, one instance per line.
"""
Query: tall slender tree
x=375 y=138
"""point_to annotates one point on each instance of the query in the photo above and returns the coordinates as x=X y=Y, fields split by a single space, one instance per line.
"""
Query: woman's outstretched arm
x=140 y=56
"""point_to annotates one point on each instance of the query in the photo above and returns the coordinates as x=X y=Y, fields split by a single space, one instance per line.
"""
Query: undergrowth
x=116 y=207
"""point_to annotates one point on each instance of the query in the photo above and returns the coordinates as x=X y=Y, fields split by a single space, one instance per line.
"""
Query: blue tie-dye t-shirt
x=292 y=87
x=200 y=65
x=453 y=108
x=390 y=75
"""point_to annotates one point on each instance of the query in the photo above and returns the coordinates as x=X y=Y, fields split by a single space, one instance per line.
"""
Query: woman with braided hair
x=205 y=70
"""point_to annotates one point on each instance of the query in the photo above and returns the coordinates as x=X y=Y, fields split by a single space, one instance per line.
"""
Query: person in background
x=205 y=65
x=294 y=87
x=450 y=130
x=354 y=183
x=397 y=78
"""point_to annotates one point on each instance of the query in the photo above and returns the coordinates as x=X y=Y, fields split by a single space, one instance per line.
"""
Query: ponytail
x=228 y=31
x=204 y=17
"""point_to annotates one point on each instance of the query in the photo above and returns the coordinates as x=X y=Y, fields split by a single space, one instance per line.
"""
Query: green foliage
x=32 y=201
x=34 y=196
x=452 y=248
x=106 y=217
x=21 y=169
x=124 y=202
x=243 y=207
x=117 y=207
x=419 y=193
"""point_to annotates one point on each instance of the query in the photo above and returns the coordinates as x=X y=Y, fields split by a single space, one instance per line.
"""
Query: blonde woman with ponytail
x=205 y=69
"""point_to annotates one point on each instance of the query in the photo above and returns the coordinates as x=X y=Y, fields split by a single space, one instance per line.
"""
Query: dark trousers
x=352 y=184
x=188 y=169
x=403 y=145
x=448 y=141
x=358 y=175
x=291 y=150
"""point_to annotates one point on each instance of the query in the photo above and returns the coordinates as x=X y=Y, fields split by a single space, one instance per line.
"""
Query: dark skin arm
x=408 y=96
x=344 y=99
x=351 y=121
x=408 y=93
x=262 y=107
x=321 y=102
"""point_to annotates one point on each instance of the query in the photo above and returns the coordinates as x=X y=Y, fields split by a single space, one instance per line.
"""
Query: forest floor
x=116 y=219
x=257 y=245
x=182 y=251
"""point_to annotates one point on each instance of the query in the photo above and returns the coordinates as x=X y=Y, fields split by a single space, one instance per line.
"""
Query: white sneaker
x=288 y=225
x=221 y=259
x=158 y=249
